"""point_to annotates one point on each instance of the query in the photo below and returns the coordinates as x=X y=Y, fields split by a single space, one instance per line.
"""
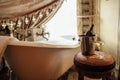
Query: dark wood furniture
x=98 y=65
x=93 y=64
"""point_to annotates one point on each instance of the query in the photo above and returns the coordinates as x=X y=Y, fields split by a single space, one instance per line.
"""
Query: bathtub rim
x=38 y=44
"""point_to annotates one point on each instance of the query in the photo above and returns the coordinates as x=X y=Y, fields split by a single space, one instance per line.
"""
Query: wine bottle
x=89 y=32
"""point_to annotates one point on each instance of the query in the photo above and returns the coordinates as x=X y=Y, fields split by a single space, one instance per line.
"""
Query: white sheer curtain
x=64 y=22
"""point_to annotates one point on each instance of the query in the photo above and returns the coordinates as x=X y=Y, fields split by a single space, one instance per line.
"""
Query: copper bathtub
x=39 y=61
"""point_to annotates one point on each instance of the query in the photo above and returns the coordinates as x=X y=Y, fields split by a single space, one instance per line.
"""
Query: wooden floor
x=71 y=74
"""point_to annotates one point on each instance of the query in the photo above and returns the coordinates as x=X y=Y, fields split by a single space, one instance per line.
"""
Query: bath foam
x=57 y=40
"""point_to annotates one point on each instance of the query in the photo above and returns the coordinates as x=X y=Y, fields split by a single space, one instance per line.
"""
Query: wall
x=109 y=25
x=64 y=21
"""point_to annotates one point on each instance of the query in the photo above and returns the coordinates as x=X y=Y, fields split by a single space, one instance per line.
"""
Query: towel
x=4 y=41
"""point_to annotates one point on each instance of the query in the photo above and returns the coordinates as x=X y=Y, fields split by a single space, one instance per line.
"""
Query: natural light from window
x=64 y=22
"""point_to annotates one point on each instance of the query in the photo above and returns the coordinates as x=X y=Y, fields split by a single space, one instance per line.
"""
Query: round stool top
x=99 y=61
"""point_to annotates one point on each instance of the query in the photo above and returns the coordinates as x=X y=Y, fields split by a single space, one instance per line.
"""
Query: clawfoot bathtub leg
x=13 y=76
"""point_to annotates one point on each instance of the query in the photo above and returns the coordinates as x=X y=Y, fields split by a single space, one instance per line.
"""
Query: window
x=87 y=14
x=64 y=22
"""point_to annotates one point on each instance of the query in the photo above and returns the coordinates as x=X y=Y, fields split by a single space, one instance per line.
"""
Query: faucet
x=43 y=34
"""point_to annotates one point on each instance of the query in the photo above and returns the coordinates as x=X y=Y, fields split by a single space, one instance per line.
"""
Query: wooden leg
x=119 y=76
x=80 y=76
x=109 y=76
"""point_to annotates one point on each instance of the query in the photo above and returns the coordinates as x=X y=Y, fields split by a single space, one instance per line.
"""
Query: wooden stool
x=97 y=65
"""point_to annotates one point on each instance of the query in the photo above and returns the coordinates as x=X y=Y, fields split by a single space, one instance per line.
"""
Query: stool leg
x=109 y=76
x=80 y=76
